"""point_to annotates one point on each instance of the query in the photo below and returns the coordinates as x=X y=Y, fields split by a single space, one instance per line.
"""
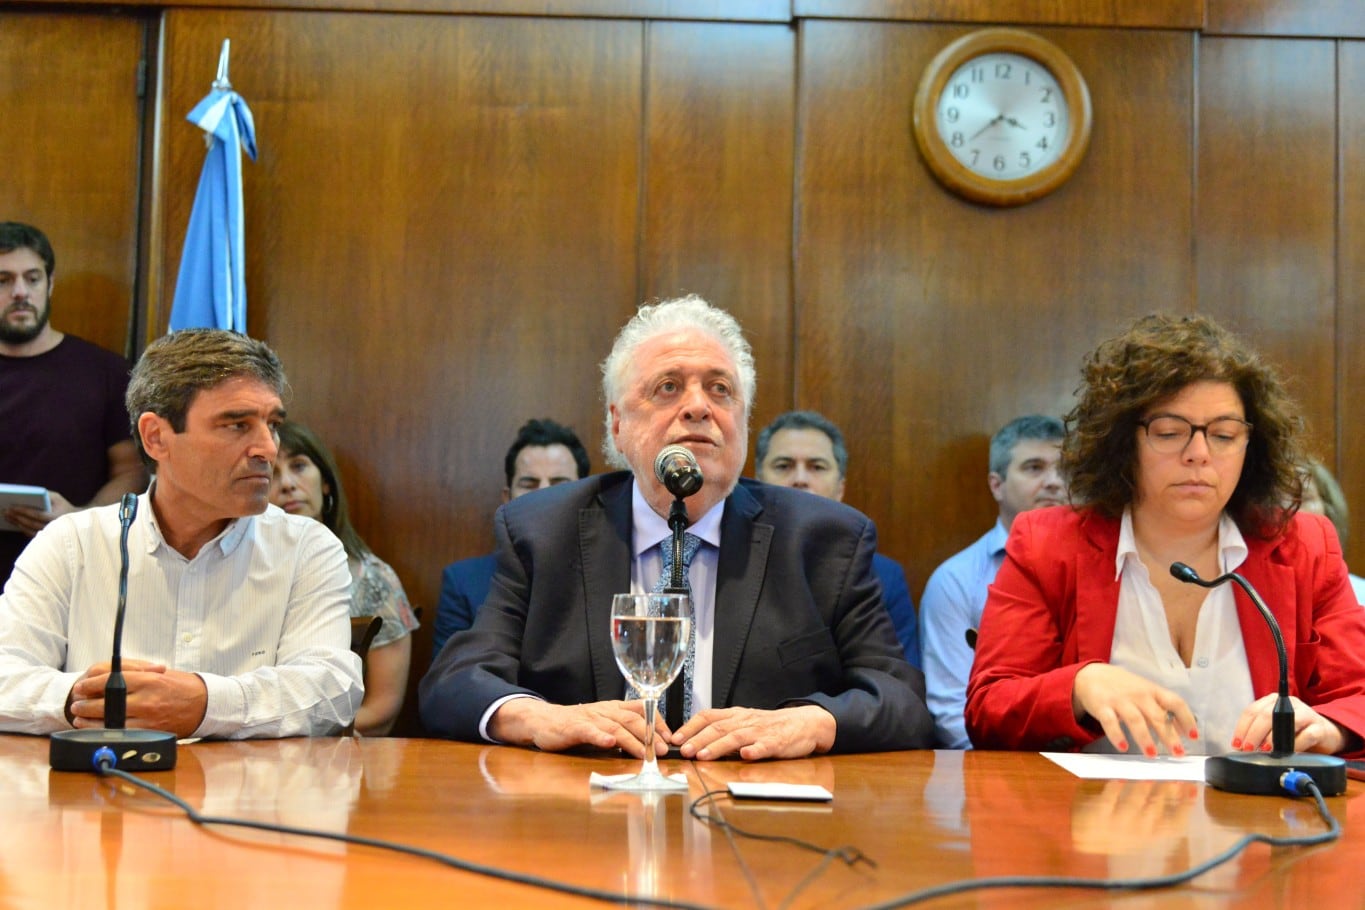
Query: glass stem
x=651 y=765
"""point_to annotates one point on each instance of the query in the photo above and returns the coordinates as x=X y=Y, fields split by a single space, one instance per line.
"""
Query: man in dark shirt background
x=61 y=401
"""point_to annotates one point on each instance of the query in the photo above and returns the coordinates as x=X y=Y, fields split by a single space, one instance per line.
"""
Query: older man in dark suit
x=795 y=654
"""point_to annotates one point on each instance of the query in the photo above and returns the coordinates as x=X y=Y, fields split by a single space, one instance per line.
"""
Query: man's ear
x=155 y=432
x=996 y=483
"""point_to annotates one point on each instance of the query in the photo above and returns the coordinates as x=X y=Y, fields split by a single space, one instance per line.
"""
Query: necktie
x=677 y=702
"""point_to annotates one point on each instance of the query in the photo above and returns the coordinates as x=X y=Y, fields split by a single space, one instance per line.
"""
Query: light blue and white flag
x=211 y=289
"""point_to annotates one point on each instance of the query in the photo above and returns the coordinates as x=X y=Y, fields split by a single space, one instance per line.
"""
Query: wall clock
x=1002 y=116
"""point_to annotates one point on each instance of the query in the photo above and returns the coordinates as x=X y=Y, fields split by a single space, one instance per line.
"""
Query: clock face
x=1003 y=116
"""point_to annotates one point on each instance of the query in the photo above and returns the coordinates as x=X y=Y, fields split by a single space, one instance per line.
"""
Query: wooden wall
x=453 y=212
x=72 y=168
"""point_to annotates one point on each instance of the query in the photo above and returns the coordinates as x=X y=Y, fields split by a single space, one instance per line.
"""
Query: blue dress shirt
x=952 y=603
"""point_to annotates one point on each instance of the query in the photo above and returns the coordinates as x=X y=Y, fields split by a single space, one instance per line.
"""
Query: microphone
x=677 y=469
x=116 y=690
x=89 y=749
x=1259 y=772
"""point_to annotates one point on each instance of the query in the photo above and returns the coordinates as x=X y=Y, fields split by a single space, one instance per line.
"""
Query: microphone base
x=1259 y=773
x=132 y=750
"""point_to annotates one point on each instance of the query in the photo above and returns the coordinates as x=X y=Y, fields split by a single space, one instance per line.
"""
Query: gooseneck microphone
x=677 y=469
x=1259 y=772
x=116 y=690
x=137 y=750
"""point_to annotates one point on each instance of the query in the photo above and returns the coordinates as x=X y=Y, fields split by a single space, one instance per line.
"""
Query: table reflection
x=89 y=832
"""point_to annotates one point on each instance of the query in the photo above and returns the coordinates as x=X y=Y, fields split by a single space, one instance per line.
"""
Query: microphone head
x=1184 y=573
x=676 y=468
x=127 y=508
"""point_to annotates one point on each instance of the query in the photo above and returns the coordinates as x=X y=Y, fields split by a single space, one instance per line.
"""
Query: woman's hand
x=1312 y=731
x=1117 y=698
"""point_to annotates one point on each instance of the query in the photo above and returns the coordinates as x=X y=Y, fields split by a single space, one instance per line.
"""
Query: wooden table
x=75 y=840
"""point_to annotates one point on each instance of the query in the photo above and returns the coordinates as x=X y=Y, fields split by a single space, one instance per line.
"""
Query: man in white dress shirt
x=237 y=618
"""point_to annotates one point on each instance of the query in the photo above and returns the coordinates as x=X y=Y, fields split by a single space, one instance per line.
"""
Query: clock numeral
x=1002 y=70
x=1042 y=143
x=957 y=141
x=1046 y=97
x=976 y=156
x=999 y=162
x=961 y=90
x=978 y=74
x=1025 y=162
x=951 y=115
x=1028 y=77
x=1049 y=118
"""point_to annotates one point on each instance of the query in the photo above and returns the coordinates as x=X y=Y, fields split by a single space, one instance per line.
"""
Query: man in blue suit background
x=805 y=450
x=544 y=453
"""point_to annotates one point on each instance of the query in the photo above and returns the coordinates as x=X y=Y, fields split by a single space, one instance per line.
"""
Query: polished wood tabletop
x=923 y=818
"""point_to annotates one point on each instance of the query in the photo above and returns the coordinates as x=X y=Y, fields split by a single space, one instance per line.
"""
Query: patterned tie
x=669 y=703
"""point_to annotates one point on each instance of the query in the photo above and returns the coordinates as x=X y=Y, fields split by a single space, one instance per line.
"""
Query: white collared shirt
x=260 y=613
x=649 y=533
x=1217 y=684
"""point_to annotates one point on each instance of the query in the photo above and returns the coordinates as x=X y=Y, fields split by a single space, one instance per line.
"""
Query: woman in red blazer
x=1183 y=447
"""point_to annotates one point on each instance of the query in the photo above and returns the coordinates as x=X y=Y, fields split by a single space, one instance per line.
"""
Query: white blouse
x=1217 y=684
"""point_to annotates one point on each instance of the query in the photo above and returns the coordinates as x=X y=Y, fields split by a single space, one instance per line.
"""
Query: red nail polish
x=1194 y=734
x=1236 y=742
x=1150 y=751
x=1265 y=747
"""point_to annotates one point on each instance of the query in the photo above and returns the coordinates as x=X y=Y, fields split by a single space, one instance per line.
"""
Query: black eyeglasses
x=1169 y=434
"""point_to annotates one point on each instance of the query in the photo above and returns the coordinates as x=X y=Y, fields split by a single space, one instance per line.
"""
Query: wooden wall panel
x=924 y=321
x=714 y=10
x=718 y=195
x=1267 y=208
x=1333 y=18
x=1187 y=14
x=1350 y=314
x=441 y=243
x=71 y=159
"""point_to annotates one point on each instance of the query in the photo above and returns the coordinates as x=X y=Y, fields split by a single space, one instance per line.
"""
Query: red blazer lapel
x=1097 y=587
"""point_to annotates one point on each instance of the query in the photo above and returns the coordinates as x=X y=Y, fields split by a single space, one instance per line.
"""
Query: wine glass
x=649 y=635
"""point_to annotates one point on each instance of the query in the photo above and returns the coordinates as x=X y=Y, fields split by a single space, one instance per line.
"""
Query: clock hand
x=1012 y=122
x=998 y=118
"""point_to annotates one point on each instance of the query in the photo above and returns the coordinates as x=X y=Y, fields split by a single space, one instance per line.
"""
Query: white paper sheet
x=1129 y=767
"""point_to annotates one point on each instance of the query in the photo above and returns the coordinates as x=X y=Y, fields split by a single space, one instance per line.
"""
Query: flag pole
x=221 y=83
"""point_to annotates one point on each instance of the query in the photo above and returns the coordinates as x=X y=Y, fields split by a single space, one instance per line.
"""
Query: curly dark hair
x=1151 y=362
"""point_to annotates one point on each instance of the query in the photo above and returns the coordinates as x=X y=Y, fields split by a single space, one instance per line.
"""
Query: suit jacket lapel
x=604 y=536
x=740 y=571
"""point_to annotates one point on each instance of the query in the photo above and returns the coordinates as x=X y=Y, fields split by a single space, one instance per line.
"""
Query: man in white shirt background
x=237 y=620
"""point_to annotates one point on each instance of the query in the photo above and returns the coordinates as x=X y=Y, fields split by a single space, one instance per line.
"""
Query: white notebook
x=18 y=494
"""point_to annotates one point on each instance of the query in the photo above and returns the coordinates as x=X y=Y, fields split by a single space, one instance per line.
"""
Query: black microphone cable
x=1294 y=783
x=104 y=767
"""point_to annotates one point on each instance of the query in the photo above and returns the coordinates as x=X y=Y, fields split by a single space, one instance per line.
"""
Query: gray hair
x=178 y=366
x=804 y=420
x=1032 y=426
x=652 y=320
